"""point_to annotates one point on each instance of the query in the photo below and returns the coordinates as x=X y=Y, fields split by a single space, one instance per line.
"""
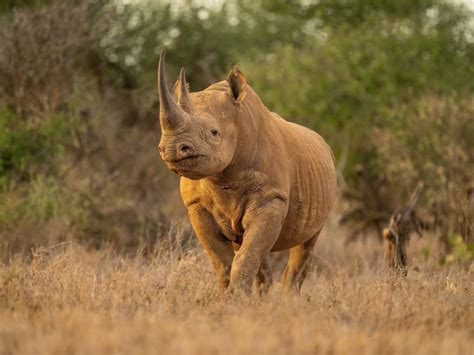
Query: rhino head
x=198 y=138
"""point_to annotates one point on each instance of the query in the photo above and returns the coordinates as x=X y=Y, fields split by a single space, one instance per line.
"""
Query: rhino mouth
x=190 y=158
x=187 y=166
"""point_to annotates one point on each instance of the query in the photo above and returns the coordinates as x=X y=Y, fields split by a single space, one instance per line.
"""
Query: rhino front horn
x=169 y=111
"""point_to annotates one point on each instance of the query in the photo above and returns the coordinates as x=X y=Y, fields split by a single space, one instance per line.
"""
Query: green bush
x=461 y=251
x=346 y=80
x=31 y=190
x=431 y=143
x=41 y=200
x=28 y=148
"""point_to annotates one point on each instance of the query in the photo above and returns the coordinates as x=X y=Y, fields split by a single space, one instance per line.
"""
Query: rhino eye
x=214 y=132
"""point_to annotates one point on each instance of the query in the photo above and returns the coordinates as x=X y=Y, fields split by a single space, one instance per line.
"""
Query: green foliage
x=9 y=5
x=431 y=142
x=31 y=192
x=28 y=148
x=426 y=252
x=462 y=251
x=347 y=79
x=207 y=40
x=41 y=200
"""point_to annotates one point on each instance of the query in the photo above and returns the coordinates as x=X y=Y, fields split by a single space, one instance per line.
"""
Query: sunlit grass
x=67 y=299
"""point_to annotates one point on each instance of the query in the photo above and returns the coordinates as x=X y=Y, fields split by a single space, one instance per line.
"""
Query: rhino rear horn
x=181 y=91
x=169 y=111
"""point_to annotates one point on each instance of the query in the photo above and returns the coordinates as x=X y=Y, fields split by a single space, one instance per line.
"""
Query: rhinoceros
x=251 y=181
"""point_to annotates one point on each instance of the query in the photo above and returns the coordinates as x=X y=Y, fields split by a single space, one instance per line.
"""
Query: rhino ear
x=237 y=83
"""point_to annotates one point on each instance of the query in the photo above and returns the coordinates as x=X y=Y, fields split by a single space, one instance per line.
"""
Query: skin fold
x=252 y=182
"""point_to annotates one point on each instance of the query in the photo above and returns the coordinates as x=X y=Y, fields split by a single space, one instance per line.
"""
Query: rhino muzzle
x=176 y=153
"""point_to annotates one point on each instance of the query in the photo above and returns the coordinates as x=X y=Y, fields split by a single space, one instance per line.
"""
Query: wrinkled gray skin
x=251 y=181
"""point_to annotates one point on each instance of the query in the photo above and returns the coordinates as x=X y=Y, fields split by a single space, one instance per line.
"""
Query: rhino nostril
x=184 y=149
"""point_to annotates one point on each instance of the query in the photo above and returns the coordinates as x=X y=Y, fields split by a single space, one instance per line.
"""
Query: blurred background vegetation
x=388 y=83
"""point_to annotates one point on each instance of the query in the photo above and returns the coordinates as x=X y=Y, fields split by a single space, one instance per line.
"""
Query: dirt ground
x=70 y=300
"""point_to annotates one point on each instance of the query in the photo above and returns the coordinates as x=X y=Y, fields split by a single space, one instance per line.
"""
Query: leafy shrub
x=432 y=144
x=40 y=49
x=43 y=212
x=40 y=201
x=32 y=194
x=346 y=79
x=28 y=148
x=461 y=251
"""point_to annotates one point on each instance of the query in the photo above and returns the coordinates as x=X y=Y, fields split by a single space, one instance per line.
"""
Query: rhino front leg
x=298 y=264
x=264 y=278
x=262 y=228
x=218 y=248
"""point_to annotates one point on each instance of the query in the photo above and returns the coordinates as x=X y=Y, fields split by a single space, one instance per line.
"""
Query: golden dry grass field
x=70 y=300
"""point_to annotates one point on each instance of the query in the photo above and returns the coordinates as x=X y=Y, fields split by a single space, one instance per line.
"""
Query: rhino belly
x=312 y=195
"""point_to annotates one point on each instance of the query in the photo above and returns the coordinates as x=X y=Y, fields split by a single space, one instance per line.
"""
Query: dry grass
x=68 y=299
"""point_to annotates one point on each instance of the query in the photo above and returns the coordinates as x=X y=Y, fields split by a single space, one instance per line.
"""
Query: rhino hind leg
x=298 y=264
x=264 y=278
